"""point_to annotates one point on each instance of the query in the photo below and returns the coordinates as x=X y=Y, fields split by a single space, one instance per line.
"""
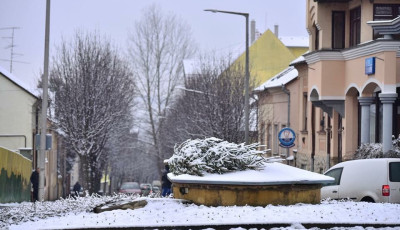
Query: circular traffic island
x=275 y=183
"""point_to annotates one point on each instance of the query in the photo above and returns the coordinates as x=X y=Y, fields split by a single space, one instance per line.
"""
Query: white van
x=370 y=180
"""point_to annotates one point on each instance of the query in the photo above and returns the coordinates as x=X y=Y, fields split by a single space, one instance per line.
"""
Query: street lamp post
x=43 y=117
x=246 y=84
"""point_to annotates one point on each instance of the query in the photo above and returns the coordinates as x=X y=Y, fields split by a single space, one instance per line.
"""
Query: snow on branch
x=213 y=155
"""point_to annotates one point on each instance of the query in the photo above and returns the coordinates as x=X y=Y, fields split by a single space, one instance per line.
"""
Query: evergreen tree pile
x=213 y=155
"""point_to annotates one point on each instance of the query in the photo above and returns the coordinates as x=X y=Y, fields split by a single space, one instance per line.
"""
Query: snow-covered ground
x=71 y=213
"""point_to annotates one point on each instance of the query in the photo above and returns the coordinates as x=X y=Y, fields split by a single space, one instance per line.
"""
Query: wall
x=15 y=172
x=17 y=116
x=253 y=195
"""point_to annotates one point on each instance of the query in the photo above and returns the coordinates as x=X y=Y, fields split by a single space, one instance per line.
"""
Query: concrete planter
x=277 y=184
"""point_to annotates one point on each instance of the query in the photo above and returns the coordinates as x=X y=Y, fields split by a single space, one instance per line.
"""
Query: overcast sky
x=114 y=18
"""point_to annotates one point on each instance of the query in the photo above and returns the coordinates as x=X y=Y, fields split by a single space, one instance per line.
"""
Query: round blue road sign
x=286 y=138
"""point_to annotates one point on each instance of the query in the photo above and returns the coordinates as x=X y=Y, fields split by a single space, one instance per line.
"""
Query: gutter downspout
x=312 y=137
x=328 y=152
x=285 y=90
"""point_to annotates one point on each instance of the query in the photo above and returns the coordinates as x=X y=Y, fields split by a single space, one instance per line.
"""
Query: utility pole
x=43 y=128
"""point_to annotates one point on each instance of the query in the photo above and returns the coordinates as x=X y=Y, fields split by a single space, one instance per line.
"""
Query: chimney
x=276 y=31
x=252 y=31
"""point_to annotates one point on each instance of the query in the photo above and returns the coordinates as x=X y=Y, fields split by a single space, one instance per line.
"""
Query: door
x=332 y=190
x=394 y=181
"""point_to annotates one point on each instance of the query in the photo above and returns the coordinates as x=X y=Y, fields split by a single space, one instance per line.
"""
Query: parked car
x=146 y=189
x=156 y=190
x=130 y=188
x=370 y=180
x=156 y=183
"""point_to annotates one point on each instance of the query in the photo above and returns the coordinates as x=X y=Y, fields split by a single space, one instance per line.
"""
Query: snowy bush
x=28 y=211
x=374 y=150
x=213 y=155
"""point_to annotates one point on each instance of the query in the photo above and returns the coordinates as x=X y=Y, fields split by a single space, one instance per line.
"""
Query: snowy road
x=164 y=212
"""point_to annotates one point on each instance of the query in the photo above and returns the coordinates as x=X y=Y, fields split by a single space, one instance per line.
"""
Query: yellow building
x=269 y=55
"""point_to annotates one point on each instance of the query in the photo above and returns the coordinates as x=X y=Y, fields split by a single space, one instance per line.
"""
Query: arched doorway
x=351 y=124
x=371 y=114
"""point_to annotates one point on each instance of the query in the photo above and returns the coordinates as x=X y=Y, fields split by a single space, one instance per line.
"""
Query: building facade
x=346 y=91
x=353 y=74
x=18 y=114
x=19 y=123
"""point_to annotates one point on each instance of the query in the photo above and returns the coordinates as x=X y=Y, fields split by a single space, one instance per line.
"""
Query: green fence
x=15 y=171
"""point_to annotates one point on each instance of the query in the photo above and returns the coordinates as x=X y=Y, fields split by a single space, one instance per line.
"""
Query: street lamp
x=43 y=117
x=246 y=84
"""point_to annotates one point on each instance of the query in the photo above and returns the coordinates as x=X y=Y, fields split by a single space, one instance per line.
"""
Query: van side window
x=335 y=173
x=394 y=171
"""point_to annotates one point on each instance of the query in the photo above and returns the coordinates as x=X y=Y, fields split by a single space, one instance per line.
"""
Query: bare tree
x=93 y=91
x=158 y=46
x=211 y=105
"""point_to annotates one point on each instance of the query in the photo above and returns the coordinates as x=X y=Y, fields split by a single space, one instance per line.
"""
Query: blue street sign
x=286 y=138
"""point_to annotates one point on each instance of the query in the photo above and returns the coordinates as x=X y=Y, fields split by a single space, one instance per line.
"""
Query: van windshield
x=394 y=171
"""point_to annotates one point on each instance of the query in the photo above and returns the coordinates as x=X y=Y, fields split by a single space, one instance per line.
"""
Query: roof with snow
x=295 y=41
x=17 y=81
x=299 y=59
x=271 y=174
x=270 y=55
x=282 y=78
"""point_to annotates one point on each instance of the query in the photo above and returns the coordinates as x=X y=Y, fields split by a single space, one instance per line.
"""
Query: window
x=276 y=132
x=305 y=112
x=262 y=135
x=355 y=26
x=269 y=136
x=335 y=173
x=338 y=24
x=394 y=171
x=316 y=40
x=322 y=121
x=385 y=12
x=282 y=150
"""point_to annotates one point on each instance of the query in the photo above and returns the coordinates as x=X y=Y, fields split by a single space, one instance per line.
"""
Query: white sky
x=114 y=18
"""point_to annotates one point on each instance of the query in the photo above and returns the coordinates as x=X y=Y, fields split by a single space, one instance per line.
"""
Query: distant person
x=77 y=188
x=35 y=184
x=165 y=183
